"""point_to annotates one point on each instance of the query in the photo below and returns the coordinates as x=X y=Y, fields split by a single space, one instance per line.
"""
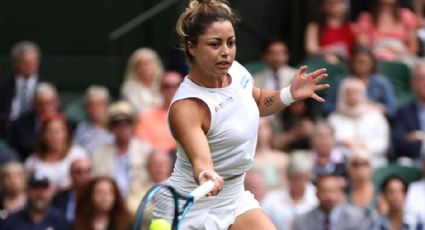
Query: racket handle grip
x=202 y=190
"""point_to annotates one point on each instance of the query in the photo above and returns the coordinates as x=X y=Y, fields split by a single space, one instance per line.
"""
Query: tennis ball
x=160 y=224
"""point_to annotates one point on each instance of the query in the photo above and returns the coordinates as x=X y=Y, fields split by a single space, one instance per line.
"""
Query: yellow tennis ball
x=160 y=224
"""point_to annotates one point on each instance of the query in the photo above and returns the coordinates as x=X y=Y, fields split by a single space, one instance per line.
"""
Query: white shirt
x=57 y=172
x=285 y=74
x=281 y=209
x=415 y=199
x=31 y=83
x=232 y=137
x=370 y=128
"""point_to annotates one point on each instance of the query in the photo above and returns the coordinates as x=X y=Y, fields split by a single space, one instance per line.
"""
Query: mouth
x=223 y=64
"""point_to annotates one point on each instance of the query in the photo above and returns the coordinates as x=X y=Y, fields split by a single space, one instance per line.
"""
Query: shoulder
x=103 y=150
x=77 y=151
x=141 y=145
x=408 y=17
x=416 y=187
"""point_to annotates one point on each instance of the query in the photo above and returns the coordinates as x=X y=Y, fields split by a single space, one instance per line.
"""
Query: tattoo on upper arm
x=268 y=101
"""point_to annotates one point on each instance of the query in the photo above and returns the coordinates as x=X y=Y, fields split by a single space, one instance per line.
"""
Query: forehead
x=219 y=29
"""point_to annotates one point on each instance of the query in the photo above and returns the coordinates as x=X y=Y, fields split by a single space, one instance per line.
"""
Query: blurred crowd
x=354 y=162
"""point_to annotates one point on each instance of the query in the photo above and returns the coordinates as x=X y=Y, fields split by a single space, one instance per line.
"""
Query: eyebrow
x=219 y=39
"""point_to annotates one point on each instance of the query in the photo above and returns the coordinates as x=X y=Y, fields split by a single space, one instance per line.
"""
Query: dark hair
x=41 y=147
x=387 y=181
x=266 y=45
x=360 y=49
x=119 y=216
x=200 y=14
x=321 y=17
x=375 y=8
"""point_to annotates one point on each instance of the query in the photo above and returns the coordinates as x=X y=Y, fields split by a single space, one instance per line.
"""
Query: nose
x=225 y=50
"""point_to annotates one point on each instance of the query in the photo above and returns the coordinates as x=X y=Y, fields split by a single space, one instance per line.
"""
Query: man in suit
x=17 y=91
x=66 y=201
x=332 y=212
x=409 y=123
x=125 y=158
x=278 y=73
x=24 y=129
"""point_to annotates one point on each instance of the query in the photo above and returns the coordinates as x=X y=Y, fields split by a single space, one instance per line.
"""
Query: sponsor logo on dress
x=244 y=82
x=223 y=104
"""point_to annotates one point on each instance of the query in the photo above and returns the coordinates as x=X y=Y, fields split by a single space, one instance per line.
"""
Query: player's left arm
x=303 y=86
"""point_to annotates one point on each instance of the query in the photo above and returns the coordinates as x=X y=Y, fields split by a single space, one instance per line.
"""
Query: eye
x=231 y=43
x=214 y=44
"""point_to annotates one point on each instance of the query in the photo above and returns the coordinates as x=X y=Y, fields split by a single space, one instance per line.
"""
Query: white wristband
x=202 y=174
x=286 y=96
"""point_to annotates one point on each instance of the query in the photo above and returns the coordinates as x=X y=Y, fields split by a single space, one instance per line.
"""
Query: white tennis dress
x=232 y=139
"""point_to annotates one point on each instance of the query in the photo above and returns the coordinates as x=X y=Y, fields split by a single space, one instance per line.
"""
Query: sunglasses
x=357 y=164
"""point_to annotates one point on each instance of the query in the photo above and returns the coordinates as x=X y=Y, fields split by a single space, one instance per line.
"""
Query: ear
x=191 y=48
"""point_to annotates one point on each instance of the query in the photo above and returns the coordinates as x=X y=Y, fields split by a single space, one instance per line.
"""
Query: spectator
x=37 y=214
x=16 y=91
x=100 y=206
x=415 y=199
x=328 y=158
x=278 y=73
x=153 y=124
x=270 y=161
x=12 y=183
x=125 y=158
x=25 y=129
x=299 y=197
x=53 y=151
x=66 y=200
x=409 y=124
x=394 y=193
x=298 y=123
x=389 y=30
x=7 y=154
x=357 y=125
x=158 y=167
x=364 y=66
x=332 y=212
x=141 y=80
x=93 y=132
x=254 y=182
x=361 y=190
x=331 y=37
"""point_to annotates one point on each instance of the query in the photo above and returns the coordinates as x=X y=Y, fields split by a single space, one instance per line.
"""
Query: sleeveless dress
x=232 y=139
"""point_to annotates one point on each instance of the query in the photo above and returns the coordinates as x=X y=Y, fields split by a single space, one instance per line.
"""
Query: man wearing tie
x=17 y=91
x=331 y=213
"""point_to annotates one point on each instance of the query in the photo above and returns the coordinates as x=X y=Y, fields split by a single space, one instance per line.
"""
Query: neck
x=122 y=145
x=206 y=80
x=395 y=215
x=386 y=9
x=37 y=216
x=296 y=196
x=166 y=104
x=335 y=20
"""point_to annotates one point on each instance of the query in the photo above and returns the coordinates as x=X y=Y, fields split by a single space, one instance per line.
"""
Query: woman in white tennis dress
x=214 y=118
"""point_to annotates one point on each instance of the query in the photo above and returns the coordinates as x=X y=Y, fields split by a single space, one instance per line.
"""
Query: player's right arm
x=189 y=123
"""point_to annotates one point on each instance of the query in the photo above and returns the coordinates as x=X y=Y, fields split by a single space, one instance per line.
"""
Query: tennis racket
x=163 y=208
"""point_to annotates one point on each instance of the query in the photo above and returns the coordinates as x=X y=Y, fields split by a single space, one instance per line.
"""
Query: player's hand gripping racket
x=163 y=208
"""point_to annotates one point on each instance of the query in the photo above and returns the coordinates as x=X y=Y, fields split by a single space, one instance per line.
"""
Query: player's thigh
x=254 y=219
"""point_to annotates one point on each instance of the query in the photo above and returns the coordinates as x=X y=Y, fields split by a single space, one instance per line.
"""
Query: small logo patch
x=244 y=82
x=223 y=104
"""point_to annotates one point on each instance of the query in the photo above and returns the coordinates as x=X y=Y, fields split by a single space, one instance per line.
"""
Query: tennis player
x=214 y=118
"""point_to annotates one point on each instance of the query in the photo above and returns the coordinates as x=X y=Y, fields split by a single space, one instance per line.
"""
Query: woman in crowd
x=101 y=207
x=361 y=190
x=272 y=163
x=53 y=151
x=364 y=66
x=12 y=182
x=298 y=123
x=141 y=80
x=330 y=37
x=299 y=197
x=389 y=30
x=357 y=124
